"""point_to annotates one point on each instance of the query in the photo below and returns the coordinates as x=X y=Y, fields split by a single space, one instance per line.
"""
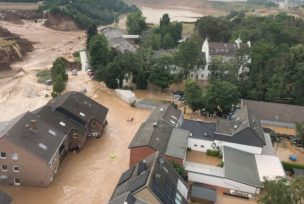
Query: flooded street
x=91 y=175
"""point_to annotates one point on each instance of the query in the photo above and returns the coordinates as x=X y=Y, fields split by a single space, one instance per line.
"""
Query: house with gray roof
x=275 y=114
x=242 y=173
x=152 y=180
x=221 y=51
x=29 y=138
x=4 y=198
x=119 y=40
x=76 y=115
x=243 y=131
x=160 y=132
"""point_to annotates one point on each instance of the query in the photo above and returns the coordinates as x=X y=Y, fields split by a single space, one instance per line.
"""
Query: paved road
x=83 y=59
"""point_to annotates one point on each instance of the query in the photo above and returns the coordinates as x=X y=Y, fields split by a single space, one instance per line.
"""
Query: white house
x=215 y=49
x=243 y=132
x=243 y=173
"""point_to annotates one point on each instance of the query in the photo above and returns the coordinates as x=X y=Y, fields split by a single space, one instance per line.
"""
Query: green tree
x=59 y=69
x=136 y=23
x=300 y=130
x=282 y=191
x=91 y=31
x=168 y=41
x=193 y=95
x=220 y=96
x=188 y=56
x=58 y=85
x=99 y=51
x=160 y=74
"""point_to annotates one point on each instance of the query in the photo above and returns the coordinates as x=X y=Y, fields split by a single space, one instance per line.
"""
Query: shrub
x=213 y=153
x=221 y=164
x=288 y=166
x=189 y=149
x=179 y=168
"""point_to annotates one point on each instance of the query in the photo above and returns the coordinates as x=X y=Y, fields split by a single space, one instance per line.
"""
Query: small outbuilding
x=202 y=194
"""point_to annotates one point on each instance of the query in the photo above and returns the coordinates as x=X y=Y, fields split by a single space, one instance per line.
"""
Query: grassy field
x=18 y=6
x=5 y=43
x=188 y=28
x=43 y=76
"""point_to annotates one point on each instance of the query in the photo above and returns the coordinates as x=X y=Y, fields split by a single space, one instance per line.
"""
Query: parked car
x=178 y=92
x=179 y=97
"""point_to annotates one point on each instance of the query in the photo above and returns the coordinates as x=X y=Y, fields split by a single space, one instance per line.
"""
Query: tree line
x=277 y=59
x=143 y=66
x=85 y=13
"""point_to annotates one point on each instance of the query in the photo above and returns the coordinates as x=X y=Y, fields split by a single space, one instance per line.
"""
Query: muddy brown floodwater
x=91 y=175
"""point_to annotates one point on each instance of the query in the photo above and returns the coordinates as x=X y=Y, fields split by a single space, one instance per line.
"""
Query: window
x=15 y=168
x=82 y=114
x=17 y=182
x=195 y=145
x=62 y=123
x=75 y=135
x=202 y=76
x=15 y=156
x=3 y=155
x=42 y=146
x=202 y=146
x=94 y=124
x=52 y=132
x=4 y=167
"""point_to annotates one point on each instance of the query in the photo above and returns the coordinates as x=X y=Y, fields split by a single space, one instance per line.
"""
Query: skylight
x=42 y=146
x=62 y=124
x=82 y=114
x=172 y=116
x=52 y=132
x=173 y=122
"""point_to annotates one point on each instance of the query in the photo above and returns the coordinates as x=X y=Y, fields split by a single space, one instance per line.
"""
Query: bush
x=43 y=76
x=76 y=54
x=179 y=168
x=221 y=164
x=288 y=166
x=213 y=153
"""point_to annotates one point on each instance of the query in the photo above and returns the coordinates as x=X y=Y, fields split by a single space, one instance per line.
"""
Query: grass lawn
x=43 y=76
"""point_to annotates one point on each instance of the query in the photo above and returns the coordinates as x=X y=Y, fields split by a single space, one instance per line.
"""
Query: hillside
x=101 y=12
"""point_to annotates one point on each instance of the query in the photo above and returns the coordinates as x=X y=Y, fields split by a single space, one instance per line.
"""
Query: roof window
x=62 y=123
x=52 y=132
x=172 y=116
x=82 y=114
x=42 y=146
x=173 y=122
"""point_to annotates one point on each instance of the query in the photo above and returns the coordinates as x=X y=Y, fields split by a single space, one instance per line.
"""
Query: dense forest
x=277 y=55
x=86 y=12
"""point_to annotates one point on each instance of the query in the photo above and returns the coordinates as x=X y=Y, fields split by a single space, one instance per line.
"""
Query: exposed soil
x=12 y=48
x=60 y=22
x=22 y=92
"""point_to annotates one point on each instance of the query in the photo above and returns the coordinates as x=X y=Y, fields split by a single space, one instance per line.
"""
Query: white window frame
x=5 y=170
x=16 y=170
x=15 y=183
x=15 y=156
x=1 y=156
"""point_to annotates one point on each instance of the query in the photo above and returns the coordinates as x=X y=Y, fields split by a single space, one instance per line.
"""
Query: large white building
x=248 y=154
x=212 y=50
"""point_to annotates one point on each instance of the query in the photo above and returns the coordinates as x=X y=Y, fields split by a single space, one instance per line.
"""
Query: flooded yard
x=202 y=158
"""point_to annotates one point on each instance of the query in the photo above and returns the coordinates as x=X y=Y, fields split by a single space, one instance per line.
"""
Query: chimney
x=33 y=125
x=154 y=124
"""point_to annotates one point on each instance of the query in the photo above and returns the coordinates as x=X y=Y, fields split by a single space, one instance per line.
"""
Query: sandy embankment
x=22 y=92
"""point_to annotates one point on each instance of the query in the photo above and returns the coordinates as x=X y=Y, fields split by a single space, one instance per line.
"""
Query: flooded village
x=160 y=151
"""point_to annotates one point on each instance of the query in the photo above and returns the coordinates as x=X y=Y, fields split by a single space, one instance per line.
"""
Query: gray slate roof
x=204 y=193
x=199 y=129
x=56 y=118
x=241 y=166
x=19 y=133
x=165 y=112
x=275 y=111
x=126 y=198
x=4 y=198
x=156 y=173
x=162 y=137
x=244 y=128
x=74 y=103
